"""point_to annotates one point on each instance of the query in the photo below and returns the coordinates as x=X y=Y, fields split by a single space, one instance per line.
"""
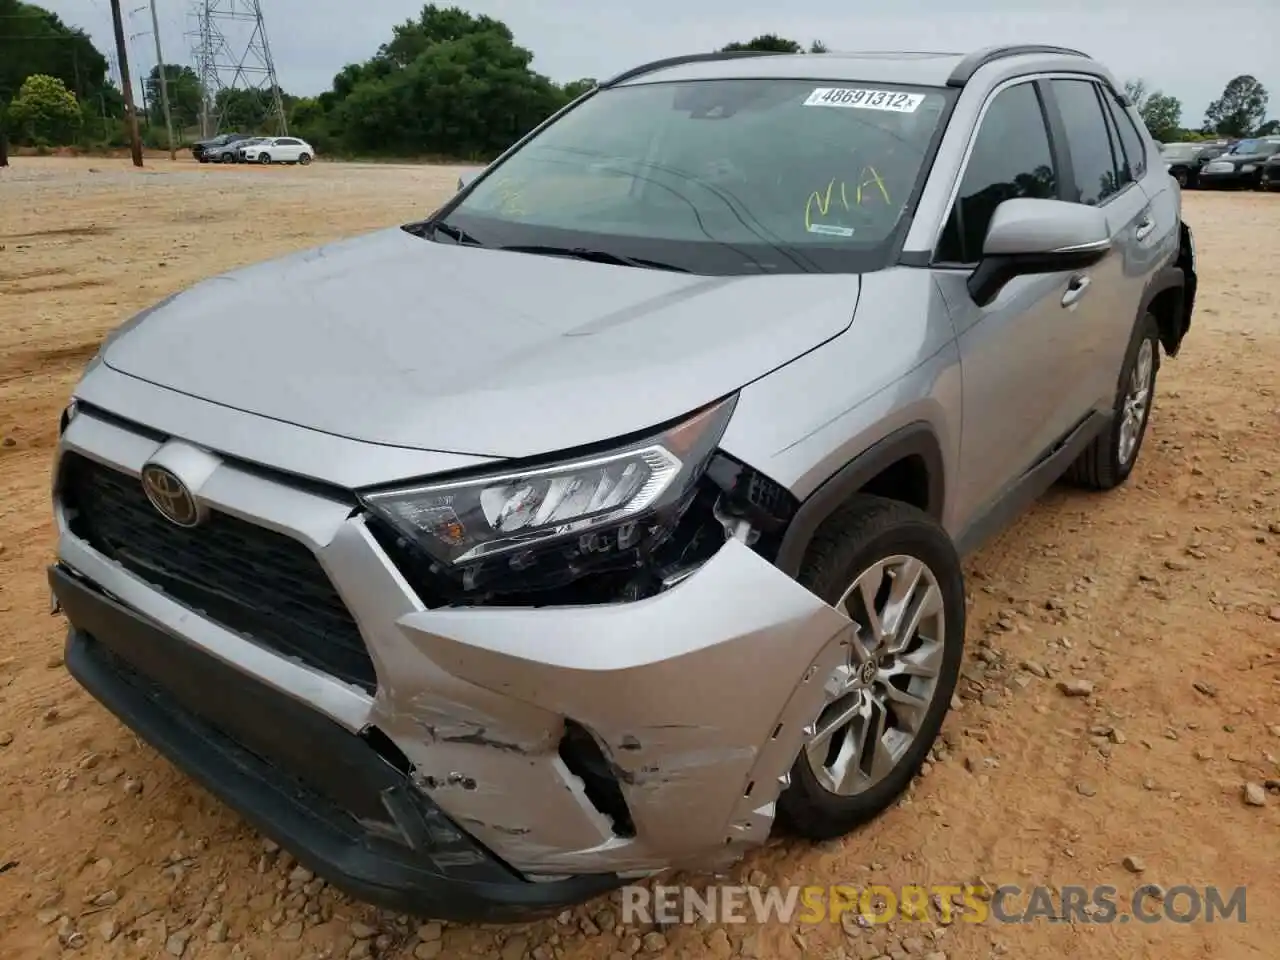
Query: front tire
x=897 y=575
x=1182 y=177
x=304 y=159
x=1107 y=462
x=264 y=158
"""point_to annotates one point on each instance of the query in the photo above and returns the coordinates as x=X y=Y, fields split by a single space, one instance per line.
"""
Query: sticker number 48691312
x=859 y=99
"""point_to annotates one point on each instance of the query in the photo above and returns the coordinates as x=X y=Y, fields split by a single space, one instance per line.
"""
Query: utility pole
x=164 y=82
x=131 y=115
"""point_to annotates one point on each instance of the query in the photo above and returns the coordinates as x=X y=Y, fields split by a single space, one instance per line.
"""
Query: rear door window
x=1135 y=149
x=1097 y=177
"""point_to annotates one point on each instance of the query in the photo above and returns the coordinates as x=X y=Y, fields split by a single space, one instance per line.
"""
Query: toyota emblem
x=170 y=496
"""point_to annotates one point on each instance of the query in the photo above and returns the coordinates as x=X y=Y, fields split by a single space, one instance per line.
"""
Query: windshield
x=1179 y=151
x=1252 y=146
x=717 y=176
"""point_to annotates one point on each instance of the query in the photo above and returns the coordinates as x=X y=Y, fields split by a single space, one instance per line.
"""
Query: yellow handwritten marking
x=876 y=180
x=822 y=200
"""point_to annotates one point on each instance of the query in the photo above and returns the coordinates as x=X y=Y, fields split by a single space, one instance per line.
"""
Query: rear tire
x=1182 y=178
x=889 y=542
x=1107 y=462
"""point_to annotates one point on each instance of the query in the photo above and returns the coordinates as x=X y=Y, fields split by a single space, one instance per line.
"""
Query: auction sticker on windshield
x=859 y=99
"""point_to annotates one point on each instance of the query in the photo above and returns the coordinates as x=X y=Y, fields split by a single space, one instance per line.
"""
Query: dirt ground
x=1164 y=596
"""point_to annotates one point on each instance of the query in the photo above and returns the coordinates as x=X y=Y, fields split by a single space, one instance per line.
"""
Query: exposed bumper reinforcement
x=325 y=794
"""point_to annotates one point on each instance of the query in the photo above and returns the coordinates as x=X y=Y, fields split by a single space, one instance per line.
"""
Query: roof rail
x=686 y=58
x=971 y=64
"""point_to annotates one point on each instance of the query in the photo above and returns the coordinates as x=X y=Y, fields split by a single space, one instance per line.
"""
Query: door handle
x=1144 y=229
x=1075 y=290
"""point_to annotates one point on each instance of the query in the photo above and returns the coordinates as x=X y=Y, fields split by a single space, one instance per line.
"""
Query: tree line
x=1241 y=111
x=447 y=84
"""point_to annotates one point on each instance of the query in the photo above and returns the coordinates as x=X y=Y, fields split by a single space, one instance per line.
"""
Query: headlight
x=601 y=501
x=1248 y=168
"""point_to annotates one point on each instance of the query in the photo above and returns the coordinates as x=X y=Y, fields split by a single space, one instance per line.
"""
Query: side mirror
x=1035 y=237
x=465 y=179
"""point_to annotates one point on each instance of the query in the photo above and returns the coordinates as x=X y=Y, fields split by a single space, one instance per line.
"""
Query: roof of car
x=923 y=68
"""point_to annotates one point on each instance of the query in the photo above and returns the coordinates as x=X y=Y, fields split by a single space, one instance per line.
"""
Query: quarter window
x=1088 y=140
x=1124 y=175
x=1011 y=159
x=1135 y=149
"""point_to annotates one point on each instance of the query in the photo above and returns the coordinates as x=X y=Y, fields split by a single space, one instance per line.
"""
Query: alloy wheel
x=876 y=702
x=1137 y=401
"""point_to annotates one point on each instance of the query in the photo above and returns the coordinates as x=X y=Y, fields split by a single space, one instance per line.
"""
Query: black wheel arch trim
x=914 y=440
x=1181 y=281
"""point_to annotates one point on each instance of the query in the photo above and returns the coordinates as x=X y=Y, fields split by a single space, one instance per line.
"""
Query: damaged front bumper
x=325 y=794
x=566 y=748
x=696 y=699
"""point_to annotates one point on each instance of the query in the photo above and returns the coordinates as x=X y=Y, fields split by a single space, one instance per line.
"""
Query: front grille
x=259 y=583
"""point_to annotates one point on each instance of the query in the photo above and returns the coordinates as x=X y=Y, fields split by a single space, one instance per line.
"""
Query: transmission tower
x=231 y=52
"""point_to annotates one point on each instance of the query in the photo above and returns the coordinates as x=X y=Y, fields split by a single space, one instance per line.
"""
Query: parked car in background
x=278 y=150
x=200 y=148
x=1241 y=166
x=1184 y=160
x=1270 y=179
x=229 y=152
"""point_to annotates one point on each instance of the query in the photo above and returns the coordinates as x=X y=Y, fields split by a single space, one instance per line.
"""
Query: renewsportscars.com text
x=939 y=903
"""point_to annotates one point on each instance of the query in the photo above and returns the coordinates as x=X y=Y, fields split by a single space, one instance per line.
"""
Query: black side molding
x=914 y=440
x=1166 y=280
x=1187 y=262
x=975 y=61
x=1027 y=489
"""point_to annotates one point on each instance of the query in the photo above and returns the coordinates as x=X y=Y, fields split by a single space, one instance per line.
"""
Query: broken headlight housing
x=542 y=526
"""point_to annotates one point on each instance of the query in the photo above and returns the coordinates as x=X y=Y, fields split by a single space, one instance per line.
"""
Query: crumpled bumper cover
x=322 y=792
x=697 y=697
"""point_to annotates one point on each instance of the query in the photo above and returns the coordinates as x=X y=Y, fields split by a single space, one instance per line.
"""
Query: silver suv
x=610 y=518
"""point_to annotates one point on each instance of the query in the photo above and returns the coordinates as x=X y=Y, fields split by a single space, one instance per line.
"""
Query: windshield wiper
x=595 y=256
x=427 y=229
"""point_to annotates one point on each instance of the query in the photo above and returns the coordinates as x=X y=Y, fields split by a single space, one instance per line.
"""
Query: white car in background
x=279 y=150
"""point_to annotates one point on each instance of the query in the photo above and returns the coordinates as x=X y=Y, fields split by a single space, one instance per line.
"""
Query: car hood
x=1244 y=157
x=389 y=338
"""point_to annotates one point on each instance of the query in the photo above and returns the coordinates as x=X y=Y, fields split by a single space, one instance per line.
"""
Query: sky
x=1185 y=48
